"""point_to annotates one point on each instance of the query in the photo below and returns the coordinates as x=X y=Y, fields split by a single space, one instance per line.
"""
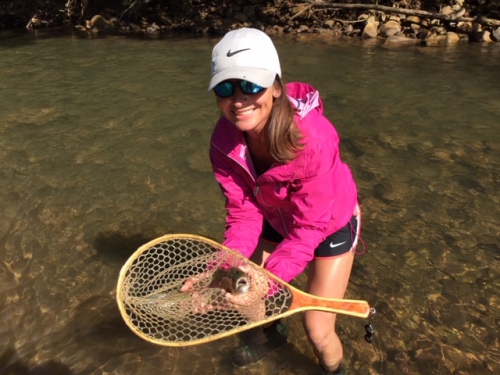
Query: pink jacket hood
x=305 y=200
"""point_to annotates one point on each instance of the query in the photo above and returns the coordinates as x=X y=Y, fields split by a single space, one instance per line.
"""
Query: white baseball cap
x=247 y=54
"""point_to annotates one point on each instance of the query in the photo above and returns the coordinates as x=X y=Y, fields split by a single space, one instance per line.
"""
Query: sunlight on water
x=104 y=147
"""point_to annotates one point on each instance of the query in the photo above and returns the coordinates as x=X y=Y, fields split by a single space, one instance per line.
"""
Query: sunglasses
x=226 y=89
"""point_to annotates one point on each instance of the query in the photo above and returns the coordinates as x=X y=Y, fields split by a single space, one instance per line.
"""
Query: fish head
x=232 y=280
x=241 y=285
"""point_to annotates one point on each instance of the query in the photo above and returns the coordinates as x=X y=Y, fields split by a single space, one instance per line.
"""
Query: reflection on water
x=104 y=147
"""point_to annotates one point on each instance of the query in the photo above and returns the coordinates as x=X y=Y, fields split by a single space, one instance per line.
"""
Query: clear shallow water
x=104 y=146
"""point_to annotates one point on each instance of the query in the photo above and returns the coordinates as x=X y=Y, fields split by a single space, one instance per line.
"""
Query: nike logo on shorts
x=332 y=245
x=229 y=53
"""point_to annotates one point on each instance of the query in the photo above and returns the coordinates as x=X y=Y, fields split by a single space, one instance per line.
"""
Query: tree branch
x=130 y=7
x=409 y=12
x=301 y=11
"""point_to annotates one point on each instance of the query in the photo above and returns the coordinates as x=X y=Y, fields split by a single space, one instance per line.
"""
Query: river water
x=104 y=146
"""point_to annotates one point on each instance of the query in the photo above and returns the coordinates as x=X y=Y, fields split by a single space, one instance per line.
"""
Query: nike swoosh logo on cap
x=337 y=244
x=229 y=53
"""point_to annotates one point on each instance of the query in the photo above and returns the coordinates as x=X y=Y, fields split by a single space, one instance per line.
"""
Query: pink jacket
x=305 y=200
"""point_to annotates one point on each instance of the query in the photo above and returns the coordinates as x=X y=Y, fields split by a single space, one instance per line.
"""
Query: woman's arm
x=243 y=217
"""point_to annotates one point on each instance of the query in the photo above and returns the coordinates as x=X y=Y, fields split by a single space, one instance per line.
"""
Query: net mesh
x=151 y=301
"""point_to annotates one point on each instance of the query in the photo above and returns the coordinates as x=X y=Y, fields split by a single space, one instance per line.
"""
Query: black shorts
x=337 y=243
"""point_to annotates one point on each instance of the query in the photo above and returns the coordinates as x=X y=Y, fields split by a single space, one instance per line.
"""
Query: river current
x=104 y=146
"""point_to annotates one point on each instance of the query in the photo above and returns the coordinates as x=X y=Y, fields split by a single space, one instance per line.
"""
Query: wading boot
x=339 y=371
x=256 y=343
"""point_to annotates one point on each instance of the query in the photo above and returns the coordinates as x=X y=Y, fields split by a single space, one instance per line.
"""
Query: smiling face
x=249 y=112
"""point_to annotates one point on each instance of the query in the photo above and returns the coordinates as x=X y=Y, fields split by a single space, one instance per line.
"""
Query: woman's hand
x=250 y=303
x=188 y=284
x=198 y=302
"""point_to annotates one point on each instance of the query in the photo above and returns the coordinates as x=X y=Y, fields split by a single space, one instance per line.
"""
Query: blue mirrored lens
x=226 y=89
x=250 y=87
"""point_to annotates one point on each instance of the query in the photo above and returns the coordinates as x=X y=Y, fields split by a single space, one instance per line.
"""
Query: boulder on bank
x=390 y=28
x=99 y=25
x=154 y=18
x=371 y=28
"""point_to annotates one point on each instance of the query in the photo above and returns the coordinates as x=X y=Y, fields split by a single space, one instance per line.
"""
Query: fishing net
x=152 y=304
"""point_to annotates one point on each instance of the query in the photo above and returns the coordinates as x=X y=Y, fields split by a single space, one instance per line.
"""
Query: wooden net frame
x=152 y=305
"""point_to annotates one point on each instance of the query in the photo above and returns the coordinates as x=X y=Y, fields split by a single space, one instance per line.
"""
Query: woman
x=290 y=200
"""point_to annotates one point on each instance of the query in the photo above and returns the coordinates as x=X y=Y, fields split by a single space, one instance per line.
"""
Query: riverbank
x=398 y=22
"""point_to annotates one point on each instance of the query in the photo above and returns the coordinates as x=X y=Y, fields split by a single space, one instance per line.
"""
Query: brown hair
x=282 y=135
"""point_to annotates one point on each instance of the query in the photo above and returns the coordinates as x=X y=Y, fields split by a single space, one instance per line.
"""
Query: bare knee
x=320 y=328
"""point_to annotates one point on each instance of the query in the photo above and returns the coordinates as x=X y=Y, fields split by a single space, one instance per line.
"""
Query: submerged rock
x=401 y=40
x=447 y=39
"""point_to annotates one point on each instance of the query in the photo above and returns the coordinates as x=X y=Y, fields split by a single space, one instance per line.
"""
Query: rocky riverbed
x=397 y=22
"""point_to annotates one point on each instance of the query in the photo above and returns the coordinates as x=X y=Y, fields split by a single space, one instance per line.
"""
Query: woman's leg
x=327 y=278
x=262 y=252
